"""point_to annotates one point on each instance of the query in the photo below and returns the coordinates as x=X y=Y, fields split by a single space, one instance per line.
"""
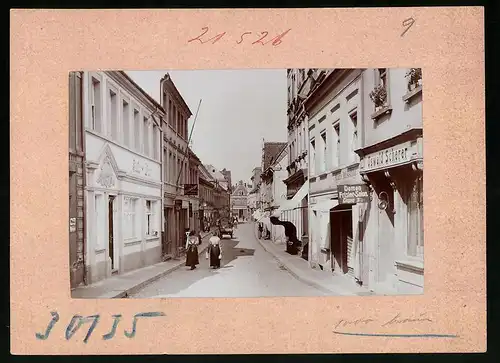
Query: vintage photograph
x=246 y=183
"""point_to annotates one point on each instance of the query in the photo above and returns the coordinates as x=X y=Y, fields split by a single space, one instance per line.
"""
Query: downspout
x=361 y=126
x=84 y=172
x=162 y=168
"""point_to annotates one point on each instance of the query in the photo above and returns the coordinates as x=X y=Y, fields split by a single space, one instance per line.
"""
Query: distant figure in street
x=214 y=252
x=192 y=250
x=261 y=229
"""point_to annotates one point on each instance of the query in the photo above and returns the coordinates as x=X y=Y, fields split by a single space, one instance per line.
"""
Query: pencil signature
x=395 y=320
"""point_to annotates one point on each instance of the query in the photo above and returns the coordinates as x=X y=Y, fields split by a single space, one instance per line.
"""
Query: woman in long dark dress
x=192 y=250
x=214 y=252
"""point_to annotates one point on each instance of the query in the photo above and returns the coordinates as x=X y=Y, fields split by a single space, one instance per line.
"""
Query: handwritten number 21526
x=277 y=40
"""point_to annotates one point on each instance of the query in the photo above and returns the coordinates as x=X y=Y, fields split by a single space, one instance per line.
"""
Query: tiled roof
x=271 y=151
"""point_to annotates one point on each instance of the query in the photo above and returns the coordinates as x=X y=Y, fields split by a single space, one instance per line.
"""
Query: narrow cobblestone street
x=247 y=271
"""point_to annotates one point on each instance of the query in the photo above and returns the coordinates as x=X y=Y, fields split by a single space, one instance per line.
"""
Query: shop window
x=113 y=115
x=126 y=123
x=156 y=139
x=145 y=136
x=336 y=144
x=354 y=138
x=312 y=157
x=100 y=218
x=95 y=106
x=415 y=204
x=130 y=225
x=137 y=131
x=324 y=156
x=149 y=218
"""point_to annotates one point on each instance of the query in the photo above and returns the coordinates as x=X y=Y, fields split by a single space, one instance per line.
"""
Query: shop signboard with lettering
x=190 y=189
x=389 y=158
x=352 y=194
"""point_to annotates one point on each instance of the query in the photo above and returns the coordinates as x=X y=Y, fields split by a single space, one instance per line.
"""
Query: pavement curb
x=296 y=275
x=144 y=283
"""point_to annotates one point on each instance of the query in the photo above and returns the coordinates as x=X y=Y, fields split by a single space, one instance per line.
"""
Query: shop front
x=292 y=215
x=336 y=231
x=395 y=216
x=124 y=211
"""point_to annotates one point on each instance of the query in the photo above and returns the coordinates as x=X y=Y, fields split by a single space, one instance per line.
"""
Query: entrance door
x=340 y=235
x=347 y=238
x=111 y=241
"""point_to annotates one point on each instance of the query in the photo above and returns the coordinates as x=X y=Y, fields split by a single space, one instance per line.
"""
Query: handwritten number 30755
x=77 y=321
x=277 y=40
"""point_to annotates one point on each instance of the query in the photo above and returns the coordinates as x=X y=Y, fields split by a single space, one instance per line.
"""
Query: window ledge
x=149 y=238
x=407 y=97
x=416 y=266
x=384 y=110
x=132 y=242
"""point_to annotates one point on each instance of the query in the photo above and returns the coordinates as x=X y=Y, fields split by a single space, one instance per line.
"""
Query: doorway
x=111 y=239
x=341 y=237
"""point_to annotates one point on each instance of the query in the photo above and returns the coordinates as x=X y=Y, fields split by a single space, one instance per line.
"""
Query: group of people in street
x=214 y=251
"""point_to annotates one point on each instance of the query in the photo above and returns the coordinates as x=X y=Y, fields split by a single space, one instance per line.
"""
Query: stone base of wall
x=152 y=256
x=97 y=272
x=132 y=261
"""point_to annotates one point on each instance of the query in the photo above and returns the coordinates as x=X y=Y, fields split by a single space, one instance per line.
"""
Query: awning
x=296 y=201
x=257 y=214
x=265 y=220
x=325 y=205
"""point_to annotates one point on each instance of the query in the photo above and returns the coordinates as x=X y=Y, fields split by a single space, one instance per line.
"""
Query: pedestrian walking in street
x=214 y=252
x=261 y=228
x=192 y=250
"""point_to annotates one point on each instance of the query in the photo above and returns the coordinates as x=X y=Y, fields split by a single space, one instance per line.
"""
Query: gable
x=107 y=170
x=240 y=188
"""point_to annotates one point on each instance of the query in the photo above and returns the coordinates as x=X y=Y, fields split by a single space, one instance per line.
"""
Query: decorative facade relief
x=106 y=176
x=141 y=168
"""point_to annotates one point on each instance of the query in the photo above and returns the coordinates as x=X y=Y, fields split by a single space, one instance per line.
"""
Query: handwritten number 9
x=408 y=23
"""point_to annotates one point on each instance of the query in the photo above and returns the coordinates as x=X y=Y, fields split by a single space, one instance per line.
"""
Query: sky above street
x=239 y=109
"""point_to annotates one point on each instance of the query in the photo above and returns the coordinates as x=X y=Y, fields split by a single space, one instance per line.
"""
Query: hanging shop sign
x=352 y=194
x=190 y=189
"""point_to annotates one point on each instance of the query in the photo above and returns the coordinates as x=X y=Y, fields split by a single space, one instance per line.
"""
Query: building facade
x=275 y=191
x=214 y=194
x=365 y=135
x=176 y=159
x=300 y=84
x=270 y=150
x=238 y=201
x=76 y=182
x=253 y=201
x=123 y=175
x=207 y=194
x=391 y=151
x=192 y=191
x=253 y=198
x=332 y=109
